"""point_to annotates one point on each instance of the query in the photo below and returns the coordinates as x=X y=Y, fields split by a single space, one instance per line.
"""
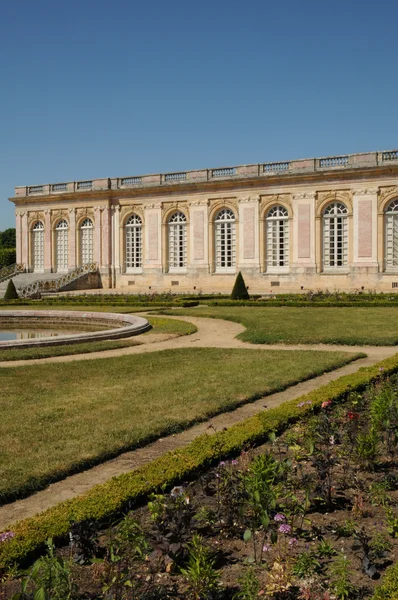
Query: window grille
x=277 y=242
x=128 y=181
x=175 y=177
x=335 y=236
x=86 y=242
x=269 y=167
x=333 y=161
x=62 y=248
x=134 y=242
x=225 y=240
x=177 y=229
x=38 y=246
x=391 y=235
x=223 y=172
x=394 y=284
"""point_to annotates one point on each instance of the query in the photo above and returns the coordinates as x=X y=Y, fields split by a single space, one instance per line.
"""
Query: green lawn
x=57 y=418
x=373 y=326
x=159 y=325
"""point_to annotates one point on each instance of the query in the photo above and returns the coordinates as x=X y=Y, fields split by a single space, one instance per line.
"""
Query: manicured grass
x=159 y=325
x=59 y=418
x=362 y=326
x=111 y=308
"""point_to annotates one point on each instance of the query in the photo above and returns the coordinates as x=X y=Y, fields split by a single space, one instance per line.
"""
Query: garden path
x=211 y=333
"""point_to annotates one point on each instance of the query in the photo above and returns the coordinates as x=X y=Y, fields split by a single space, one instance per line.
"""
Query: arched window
x=277 y=239
x=335 y=236
x=225 y=241
x=391 y=235
x=177 y=235
x=38 y=246
x=61 y=241
x=86 y=241
x=133 y=238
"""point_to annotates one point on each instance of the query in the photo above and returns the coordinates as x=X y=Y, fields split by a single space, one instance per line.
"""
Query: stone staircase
x=30 y=285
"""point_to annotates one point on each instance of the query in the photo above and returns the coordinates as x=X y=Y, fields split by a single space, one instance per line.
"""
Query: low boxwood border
x=103 y=502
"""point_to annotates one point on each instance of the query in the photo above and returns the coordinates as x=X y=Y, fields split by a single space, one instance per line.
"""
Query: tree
x=8 y=238
x=240 y=290
x=11 y=292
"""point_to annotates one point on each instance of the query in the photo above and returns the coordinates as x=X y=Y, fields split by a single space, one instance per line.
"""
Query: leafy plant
x=49 y=578
x=325 y=549
x=172 y=517
x=200 y=572
x=392 y=522
x=261 y=488
x=231 y=493
x=341 y=577
x=305 y=565
x=249 y=585
x=346 y=528
x=83 y=541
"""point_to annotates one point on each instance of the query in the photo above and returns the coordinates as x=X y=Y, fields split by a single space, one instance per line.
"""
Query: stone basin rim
x=130 y=325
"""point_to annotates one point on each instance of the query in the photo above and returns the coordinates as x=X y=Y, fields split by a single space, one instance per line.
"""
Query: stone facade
x=326 y=223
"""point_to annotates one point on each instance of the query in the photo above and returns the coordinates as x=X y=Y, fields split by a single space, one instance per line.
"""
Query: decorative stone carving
x=365 y=191
x=304 y=196
x=344 y=196
x=157 y=205
x=35 y=216
x=284 y=199
x=84 y=213
x=56 y=215
x=386 y=194
x=131 y=208
x=198 y=202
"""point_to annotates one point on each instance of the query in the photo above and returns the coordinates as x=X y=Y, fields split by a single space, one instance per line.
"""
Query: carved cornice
x=304 y=196
x=344 y=196
x=56 y=215
x=365 y=191
x=154 y=205
x=198 y=202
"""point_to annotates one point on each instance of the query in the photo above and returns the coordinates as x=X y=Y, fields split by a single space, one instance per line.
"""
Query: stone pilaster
x=365 y=228
x=248 y=234
x=18 y=235
x=198 y=236
x=97 y=235
x=305 y=251
x=25 y=239
x=72 y=262
x=153 y=238
x=48 y=250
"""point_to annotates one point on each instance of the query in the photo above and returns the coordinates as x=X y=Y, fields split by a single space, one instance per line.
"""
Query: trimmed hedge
x=388 y=590
x=103 y=502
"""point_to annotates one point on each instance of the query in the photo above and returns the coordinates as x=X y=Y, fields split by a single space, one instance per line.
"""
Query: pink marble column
x=25 y=235
x=47 y=241
x=72 y=239
x=106 y=246
x=304 y=231
x=18 y=238
x=97 y=235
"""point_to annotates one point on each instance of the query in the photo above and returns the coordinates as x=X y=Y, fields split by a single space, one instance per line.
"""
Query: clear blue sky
x=105 y=88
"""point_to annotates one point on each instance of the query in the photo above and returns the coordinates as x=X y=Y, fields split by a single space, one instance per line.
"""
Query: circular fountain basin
x=113 y=326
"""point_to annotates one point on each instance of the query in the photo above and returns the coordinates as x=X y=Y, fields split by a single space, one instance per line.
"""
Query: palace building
x=319 y=223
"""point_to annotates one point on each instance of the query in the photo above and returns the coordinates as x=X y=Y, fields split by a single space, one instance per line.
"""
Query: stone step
x=23 y=279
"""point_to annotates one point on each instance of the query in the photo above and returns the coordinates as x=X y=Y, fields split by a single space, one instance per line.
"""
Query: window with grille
x=61 y=236
x=177 y=233
x=38 y=246
x=225 y=241
x=277 y=239
x=134 y=242
x=391 y=235
x=335 y=236
x=86 y=242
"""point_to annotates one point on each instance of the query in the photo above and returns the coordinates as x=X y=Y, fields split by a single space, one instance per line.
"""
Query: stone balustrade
x=279 y=169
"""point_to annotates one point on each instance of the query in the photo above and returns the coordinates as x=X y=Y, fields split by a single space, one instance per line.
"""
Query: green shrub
x=7 y=257
x=239 y=291
x=11 y=292
x=388 y=590
x=104 y=502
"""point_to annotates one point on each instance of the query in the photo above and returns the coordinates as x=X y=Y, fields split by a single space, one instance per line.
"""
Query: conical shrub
x=240 y=291
x=11 y=292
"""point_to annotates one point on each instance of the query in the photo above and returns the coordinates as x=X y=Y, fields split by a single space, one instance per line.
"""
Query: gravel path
x=211 y=333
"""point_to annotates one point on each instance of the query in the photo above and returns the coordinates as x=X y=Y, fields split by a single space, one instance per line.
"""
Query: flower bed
x=311 y=515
